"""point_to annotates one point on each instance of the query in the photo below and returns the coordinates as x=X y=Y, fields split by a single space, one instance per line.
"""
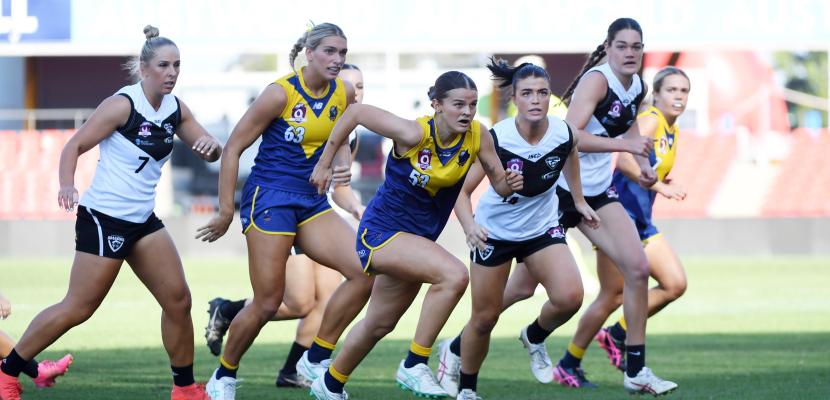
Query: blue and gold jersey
x=293 y=142
x=665 y=143
x=422 y=185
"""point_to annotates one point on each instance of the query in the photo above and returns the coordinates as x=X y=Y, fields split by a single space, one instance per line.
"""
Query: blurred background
x=753 y=137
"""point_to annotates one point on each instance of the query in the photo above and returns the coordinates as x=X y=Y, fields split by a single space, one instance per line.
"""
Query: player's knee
x=302 y=307
x=569 y=300
x=379 y=329
x=266 y=307
x=457 y=280
x=675 y=289
x=484 y=322
x=636 y=271
x=75 y=314
x=179 y=304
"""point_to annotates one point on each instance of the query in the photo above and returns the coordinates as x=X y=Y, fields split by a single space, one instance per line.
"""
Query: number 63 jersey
x=131 y=158
x=421 y=186
x=294 y=141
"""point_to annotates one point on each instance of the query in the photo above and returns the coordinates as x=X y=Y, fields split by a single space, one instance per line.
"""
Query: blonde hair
x=311 y=39
x=152 y=43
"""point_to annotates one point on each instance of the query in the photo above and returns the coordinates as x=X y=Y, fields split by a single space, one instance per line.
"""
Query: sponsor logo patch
x=615 y=109
x=144 y=129
x=486 y=253
x=298 y=112
x=557 y=232
x=425 y=159
x=516 y=165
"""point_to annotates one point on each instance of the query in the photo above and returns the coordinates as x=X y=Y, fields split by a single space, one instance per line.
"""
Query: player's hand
x=205 y=146
x=476 y=237
x=639 y=146
x=647 y=177
x=589 y=216
x=67 y=198
x=670 y=190
x=514 y=180
x=321 y=177
x=214 y=229
x=341 y=175
x=5 y=307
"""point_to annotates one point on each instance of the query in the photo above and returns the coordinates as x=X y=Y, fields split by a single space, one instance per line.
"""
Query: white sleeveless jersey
x=611 y=118
x=131 y=158
x=533 y=210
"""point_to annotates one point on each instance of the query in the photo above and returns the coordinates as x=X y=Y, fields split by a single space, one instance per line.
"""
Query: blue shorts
x=369 y=240
x=277 y=212
x=638 y=203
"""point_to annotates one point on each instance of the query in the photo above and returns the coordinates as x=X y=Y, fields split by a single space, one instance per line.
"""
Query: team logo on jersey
x=463 y=156
x=318 y=105
x=425 y=159
x=552 y=161
x=516 y=165
x=168 y=127
x=144 y=129
x=616 y=109
x=486 y=253
x=361 y=253
x=168 y=140
x=557 y=232
x=662 y=145
x=611 y=192
x=298 y=112
x=115 y=242
x=333 y=113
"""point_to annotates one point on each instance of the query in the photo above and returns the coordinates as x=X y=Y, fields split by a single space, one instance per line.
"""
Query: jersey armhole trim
x=132 y=113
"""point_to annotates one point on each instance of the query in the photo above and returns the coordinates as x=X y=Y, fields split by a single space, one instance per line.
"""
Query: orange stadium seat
x=802 y=187
x=702 y=162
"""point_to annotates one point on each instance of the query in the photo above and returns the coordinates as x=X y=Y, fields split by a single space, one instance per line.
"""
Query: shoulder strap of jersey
x=495 y=142
x=178 y=111
x=131 y=119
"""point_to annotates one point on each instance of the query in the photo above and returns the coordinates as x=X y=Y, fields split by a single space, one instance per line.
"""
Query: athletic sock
x=636 y=359
x=573 y=356
x=468 y=381
x=617 y=332
x=455 y=345
x=13 y=364
x=31 y=369
x=294 y=355
x=229 y=309
x=320 y=350
x=335 y=380
x=417 y=355
x=536 y=334
x=226 y=369
x=183 y=376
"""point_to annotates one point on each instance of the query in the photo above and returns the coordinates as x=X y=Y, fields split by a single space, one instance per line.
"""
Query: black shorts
x=105 y=236
x=498 y=252
x=569 y=217
x=296 y=250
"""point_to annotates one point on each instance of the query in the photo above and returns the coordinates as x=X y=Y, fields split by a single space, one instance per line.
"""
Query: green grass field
x=746 y=329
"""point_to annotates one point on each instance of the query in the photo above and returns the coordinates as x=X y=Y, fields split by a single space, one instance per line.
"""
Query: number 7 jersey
x=131 y=158
x=293 y=142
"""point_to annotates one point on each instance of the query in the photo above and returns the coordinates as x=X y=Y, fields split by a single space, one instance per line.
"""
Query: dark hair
x=152 y=43
x=448 y=81
x=598 y=54
x=508 y=76
x=312 y=37
x=348 y=66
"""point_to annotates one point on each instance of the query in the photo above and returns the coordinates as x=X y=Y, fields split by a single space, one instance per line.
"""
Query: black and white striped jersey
x=131 y=158
x=612 y=118
x=534 y=209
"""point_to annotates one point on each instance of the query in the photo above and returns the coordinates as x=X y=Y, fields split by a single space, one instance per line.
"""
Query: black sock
x=455 y=345
x=317 y=353
x=13 y=364
x=294 y=355
x=569 y=361
x=636 y=358
x=229 y=309
x=183 y=376
x=468 y=381
x=222 y=372
x=536 y=334
x=332 y=384
x=413 y=359
x=31 y=369
x=617 y=332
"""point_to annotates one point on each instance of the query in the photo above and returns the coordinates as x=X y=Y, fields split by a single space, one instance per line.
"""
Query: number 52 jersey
x=131 y=158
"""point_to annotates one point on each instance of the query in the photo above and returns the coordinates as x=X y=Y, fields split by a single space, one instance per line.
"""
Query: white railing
x=31 y=116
